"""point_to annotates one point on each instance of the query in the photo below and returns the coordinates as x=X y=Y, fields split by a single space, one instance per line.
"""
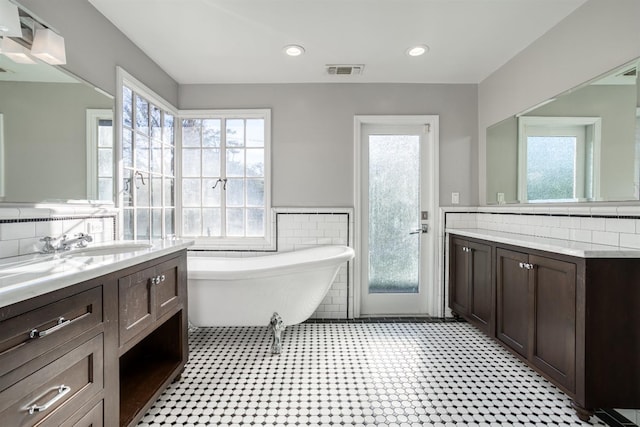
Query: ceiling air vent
x=344 y=70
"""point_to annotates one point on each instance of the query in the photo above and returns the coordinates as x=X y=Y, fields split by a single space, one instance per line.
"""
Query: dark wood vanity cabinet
x=574 y=320
x=471 y=286
x=61 y=358
x=536 y=311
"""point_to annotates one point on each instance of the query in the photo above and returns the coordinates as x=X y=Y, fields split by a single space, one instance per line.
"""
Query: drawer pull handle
x=157 y=280
x=39 y=334
x=526 y=265
x=63 y=390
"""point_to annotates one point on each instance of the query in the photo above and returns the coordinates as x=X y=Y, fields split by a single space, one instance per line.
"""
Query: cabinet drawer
x=29 y=335
x=93 y=418
x=53 y=393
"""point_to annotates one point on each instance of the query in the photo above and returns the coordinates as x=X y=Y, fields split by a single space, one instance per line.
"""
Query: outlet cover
x=455 y=198
x=95 y=227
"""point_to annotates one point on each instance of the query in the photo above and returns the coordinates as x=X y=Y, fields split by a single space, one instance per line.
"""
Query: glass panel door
x=394 y=213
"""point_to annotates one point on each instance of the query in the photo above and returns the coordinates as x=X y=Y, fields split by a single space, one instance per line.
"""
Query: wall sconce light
x=16 y=52
x=49 y=47
x=9 y=19
x=19 y=31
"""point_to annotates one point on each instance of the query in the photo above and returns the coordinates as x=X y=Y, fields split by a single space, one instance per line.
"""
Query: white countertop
x=29 y=276
x=560 y=246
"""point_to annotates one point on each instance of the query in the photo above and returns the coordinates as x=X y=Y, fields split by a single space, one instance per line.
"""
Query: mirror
x=582 y=146
x=49 y=118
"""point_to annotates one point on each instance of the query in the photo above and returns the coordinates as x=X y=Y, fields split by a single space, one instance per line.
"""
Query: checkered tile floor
x=344 y=374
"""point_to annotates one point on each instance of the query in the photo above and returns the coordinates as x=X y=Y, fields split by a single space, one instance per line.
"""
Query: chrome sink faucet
x=80 y=240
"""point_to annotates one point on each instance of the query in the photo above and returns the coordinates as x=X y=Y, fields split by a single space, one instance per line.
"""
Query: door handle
x=424 y=229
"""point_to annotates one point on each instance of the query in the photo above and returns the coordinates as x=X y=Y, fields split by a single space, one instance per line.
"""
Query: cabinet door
x=166 y=286
x=553 y=348
x=136 y=305
x=480 y=295
x=512 y=286
x=458 y=277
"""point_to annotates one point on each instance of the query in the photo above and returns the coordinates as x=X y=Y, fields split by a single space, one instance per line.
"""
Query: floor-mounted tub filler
x=276 y=290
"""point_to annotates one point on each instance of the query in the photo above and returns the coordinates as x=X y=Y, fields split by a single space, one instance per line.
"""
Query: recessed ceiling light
x=418 y=50
x=293 y=50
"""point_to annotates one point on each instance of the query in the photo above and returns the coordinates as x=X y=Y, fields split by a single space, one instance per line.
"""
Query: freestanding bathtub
x=278 y=290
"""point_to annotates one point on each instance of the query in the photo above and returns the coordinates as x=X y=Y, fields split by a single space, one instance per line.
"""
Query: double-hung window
x=225 y=173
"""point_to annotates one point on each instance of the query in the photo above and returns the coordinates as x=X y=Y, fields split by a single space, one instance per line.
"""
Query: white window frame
x=592 y=125
x=123 y=78
x=267 y=242
x=93 y=117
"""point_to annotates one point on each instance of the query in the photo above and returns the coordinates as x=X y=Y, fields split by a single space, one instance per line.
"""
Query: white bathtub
x=248 y=291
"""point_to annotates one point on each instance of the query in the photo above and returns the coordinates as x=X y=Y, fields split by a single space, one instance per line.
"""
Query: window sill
x=231 y=244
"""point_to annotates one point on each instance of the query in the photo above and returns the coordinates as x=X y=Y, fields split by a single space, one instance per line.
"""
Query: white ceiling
x=241 y=41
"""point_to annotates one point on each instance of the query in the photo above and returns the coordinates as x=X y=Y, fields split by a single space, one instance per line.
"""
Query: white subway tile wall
x=607 y=225
x=22 y=228
x=305 y=229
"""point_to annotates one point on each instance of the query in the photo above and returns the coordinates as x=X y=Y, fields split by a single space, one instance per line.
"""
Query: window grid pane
x=228 y=154
x=148 y=185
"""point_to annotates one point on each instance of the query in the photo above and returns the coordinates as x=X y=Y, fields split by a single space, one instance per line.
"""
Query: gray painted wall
x=95 y=46
x=45 y=139
x=597 y=37
x=312 y=132
x=502 y=161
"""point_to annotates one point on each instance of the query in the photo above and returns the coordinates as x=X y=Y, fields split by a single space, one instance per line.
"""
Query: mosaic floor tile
x=358 y=374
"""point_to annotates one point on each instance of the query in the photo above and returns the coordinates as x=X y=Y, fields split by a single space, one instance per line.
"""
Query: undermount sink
x=107 y=249
x=38 y=267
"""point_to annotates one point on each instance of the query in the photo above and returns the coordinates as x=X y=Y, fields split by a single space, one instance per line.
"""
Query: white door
x=397 y=208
